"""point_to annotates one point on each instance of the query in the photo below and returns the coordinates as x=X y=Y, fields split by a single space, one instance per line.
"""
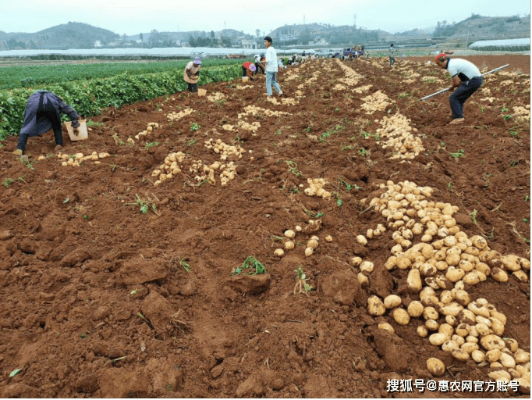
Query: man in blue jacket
x=42 y=114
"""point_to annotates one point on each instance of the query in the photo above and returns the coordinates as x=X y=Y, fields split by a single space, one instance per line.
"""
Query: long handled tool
x=445 y=90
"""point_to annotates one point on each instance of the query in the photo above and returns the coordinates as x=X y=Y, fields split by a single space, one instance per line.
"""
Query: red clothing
x=246 y=64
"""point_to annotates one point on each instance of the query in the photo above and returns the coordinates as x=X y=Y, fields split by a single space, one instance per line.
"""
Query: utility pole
x=225 y=25
x=467 y=38
x=303 y=20
x=355 y=20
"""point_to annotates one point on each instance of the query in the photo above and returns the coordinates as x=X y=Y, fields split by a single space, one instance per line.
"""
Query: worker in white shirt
x=466 y=79
x=271 y=68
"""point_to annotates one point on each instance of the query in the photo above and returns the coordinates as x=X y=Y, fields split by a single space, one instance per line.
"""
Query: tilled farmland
x=319 y=244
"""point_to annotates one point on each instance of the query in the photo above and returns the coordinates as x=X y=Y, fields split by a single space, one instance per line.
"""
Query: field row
x=32 y=76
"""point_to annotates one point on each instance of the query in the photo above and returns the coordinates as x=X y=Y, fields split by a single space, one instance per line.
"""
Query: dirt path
x=96 y=298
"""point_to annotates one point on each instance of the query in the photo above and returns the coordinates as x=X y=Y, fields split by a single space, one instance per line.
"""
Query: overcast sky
x=135 y=16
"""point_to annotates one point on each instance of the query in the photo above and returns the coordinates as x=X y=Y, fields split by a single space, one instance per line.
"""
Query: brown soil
x=96 y=302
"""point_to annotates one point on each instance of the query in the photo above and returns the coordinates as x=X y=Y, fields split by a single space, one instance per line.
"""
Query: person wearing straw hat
x=43 y=112
x=466 y=79
x=191 y=74
x=248 y=69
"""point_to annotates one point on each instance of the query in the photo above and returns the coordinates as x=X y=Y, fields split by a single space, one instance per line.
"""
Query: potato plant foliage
x=89 y=97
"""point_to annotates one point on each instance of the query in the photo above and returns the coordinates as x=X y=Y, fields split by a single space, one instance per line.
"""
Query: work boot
x=18 y=152
x=58 y=148
x=456 y=121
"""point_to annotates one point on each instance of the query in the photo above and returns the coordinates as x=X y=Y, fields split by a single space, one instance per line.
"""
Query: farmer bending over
x=248 y=69
x=42 y=114
x=466 y=77
x=191 y=74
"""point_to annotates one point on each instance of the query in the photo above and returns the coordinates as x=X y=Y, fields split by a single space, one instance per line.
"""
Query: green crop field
x=30 y=76
x=89 y=96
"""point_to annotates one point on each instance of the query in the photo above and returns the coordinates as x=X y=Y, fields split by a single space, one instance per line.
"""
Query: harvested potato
x=290 y=234
x=478 y=356
x=387 y=327
x=414 y=281
x=435 y=366
x=392 y=301
x=288 y=245
x=415 y=309
x=422 y=331
x=355 y=261
x=366 y=267
x=313 y=243
x=492 y=342
x=279 y=252
x=460 y=355
x=362 y=240
x=437 y=339
x=363 y=280
x=376 y=306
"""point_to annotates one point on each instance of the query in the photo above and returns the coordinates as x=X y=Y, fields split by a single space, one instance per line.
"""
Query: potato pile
x=151 y=127
x=352 y=78
x=316 y=188
x=216 y=96
x=490 y=99
x=244 y=87
x=522 y=112
x=339 y=87
x=508 y=82
x=284 y=101
x=311 y=245
x=400 y=137
x=377 y=101
x=76 y=159
x=410 y=76
x=225 y=151
x=431 y=79
x=254 y=111
x=173 y=116
x=206 y=172
x=170 y=168
x=448 y=261
x=313 y=78
x=362 y=89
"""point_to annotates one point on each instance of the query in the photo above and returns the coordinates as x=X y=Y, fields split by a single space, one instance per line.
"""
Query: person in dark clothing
x=466 y=79
x=42 y=114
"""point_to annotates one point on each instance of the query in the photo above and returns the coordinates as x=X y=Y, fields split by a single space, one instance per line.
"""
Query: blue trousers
x=461 y=94
x=271 y=78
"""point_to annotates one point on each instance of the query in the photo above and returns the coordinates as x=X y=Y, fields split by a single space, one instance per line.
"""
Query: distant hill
x=327 y=32
x=185 y=36
x=415 y=32
x=477 y=26
x=71 y=35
